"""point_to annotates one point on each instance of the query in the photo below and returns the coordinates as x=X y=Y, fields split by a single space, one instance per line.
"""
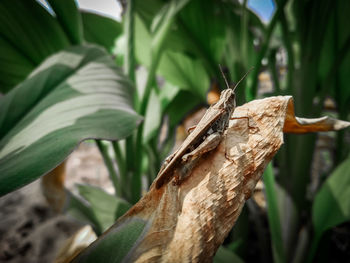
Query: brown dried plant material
x=188 y=222
x=302 y=125
x=52 y=185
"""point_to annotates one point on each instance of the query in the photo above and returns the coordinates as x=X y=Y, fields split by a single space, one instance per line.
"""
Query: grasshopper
x=205 y=137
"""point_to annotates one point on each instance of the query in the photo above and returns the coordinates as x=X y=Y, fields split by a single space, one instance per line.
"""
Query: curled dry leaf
x=188 y=222
x=302 y=125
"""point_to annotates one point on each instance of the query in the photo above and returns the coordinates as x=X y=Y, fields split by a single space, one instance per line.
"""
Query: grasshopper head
x=228 y=96
x=228 y=99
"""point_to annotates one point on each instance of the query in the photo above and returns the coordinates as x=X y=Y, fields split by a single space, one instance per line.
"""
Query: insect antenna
x=228 y=86
x=242 y=78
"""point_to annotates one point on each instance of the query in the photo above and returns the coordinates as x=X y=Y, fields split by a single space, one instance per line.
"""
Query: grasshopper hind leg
x=184 y=171
x=209 y=144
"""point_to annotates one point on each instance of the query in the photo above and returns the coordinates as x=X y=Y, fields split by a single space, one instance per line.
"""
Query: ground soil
x=30 y=231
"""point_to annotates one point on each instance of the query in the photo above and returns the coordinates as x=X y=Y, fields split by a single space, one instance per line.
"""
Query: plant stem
x=288 y=44
x=129 y=60
x=136 y=180
x=129 y=69
x=109 y=164
x=121 y=165
x=274 y=71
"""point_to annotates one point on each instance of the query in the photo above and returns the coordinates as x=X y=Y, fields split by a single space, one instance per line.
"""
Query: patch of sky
x=111 y=8
x=263 y=8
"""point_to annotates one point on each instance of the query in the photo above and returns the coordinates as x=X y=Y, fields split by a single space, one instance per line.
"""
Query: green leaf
x=143 y=33
x=274 y=215
x=76 y=94
x=332 y=202
x=116 y=245
x=162 y=22
x=167 y=94
x=69 y=18
x=78 y=208
x=224 y=255
x=331 y=206
x=16 y=69
x=28 y=34
x=101 y=30
x=182 y=104
x=106 y=208
x=185 y=47
x=184 y=72
x=202 y=28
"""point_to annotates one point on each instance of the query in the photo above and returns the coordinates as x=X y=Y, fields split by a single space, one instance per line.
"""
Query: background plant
x=169 y=52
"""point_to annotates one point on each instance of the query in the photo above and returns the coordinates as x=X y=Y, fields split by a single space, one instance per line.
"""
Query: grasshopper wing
x=192 y=140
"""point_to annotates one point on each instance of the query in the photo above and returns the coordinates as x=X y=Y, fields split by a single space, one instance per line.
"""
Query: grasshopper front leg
x=210 y=143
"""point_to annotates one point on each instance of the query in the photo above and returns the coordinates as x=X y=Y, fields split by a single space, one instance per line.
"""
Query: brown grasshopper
x=205 y=137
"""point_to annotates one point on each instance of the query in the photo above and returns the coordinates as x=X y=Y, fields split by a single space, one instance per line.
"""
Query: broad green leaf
x=75 y=94
x=175 y=66
x=28 y=34
x=203 y=28
x=331 y=205
x=116 y=244
x=105 y=208
x=143 y=21
x=142 y=42
x=167 y=94
x=332 y=202
x=16 y=69
x=162 y=23
x=184 y=72
x=224 y=255
x=199 y=28
x=100 y=30
x=69 y=18
x=182 y=104
x=168 y=11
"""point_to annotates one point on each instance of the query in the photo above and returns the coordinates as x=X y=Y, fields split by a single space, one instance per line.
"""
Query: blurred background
x=166 y=56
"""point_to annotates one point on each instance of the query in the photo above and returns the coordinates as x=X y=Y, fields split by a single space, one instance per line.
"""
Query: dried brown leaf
x=188 y=222
x=302 y=125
